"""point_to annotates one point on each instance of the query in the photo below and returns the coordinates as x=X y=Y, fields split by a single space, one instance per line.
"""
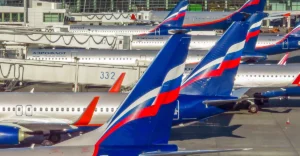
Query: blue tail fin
x=214 y=75
x=176 y=17
x=148 y=110
x=254 y=31
x=253 y=6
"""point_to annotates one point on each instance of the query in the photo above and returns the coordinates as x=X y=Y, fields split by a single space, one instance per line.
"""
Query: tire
x=253 y=109
x=55 y=138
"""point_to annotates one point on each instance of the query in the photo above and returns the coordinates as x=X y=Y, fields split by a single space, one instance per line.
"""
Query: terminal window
x=53 y=17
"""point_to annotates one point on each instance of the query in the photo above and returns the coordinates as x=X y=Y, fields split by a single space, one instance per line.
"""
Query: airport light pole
x=76 y=74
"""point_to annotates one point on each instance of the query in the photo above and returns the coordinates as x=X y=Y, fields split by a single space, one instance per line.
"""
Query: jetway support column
x=25 y=12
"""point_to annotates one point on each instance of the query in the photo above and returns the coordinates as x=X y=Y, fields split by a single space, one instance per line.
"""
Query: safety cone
x=288 y=121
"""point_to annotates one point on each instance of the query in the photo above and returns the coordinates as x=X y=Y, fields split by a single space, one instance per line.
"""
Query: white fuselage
x=197 y=42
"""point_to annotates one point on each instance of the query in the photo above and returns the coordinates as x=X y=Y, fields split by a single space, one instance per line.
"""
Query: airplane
x=13 y=129
x=142 y=123
x=285 y=92
x=38 y=107
x=250 y=7
x=265 y=45
x=197 y=16
x=172 y=22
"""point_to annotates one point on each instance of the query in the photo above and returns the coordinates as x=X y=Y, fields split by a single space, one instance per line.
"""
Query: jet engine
x=10 y=135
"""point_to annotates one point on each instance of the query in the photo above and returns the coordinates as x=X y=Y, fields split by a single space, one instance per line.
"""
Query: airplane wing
x=192 y=152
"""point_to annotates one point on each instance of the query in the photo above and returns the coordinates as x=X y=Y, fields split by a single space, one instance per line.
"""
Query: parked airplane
x=265 y=45
x=133 y=129
x=251 y=6
x=172 y=22
x=292 y=90
x=13 y=130
x=55 y=109
x=196 y=16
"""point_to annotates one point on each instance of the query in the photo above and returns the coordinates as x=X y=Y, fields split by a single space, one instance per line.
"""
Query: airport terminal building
x=158 y=5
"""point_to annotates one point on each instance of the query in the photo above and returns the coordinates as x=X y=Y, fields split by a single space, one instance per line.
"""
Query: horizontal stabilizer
x=220 y=102
x=192 y=152
x=239 y=92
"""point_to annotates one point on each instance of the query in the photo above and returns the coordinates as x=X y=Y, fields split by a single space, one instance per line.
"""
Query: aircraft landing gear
x=253 y=108
x=55 y=138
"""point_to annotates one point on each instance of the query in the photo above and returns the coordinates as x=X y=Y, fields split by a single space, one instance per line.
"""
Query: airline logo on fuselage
x=48 y=53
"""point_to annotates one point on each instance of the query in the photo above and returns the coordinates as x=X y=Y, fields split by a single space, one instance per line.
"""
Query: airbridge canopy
x=59 y=72
x=66 y=39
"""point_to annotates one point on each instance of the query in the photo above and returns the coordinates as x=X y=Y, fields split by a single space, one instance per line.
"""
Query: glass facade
x=138 y=5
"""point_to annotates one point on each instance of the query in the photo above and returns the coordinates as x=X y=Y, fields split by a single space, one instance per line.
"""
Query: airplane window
x=3 y=109
x=51 y=109
x=41 y=109
x=101 y=110
x=112 y=109
x=67 y=109
x=34 y=109
x=95 y=109
x=78 y=109
x=73 y=109
x=57 y=109
x=46 y=109
x=14 y=109
x=107 y=109
x=284 y=75
x=62 y=109
x=19 y=109
x=84 y=109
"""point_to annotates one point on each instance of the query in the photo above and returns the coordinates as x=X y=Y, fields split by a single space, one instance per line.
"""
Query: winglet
x=87 y=115
x=117 y=85
x=284 y=59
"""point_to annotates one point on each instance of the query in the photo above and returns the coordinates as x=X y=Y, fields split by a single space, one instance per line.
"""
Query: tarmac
x=273 y=131
x=267 y=132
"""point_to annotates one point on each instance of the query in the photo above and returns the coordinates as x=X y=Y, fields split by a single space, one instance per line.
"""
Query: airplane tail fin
x=116 y=87
x=176 y=17
x=253 y=6
x=214 y=75
x=148 y=110
x=254 y=31
x=284 y=59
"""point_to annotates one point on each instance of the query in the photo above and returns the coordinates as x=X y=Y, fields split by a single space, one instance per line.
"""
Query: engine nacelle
x=10 y=135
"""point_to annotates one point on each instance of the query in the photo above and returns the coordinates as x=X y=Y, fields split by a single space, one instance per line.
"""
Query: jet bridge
x=59 y=72
x=65 y=39
x=103 y=18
